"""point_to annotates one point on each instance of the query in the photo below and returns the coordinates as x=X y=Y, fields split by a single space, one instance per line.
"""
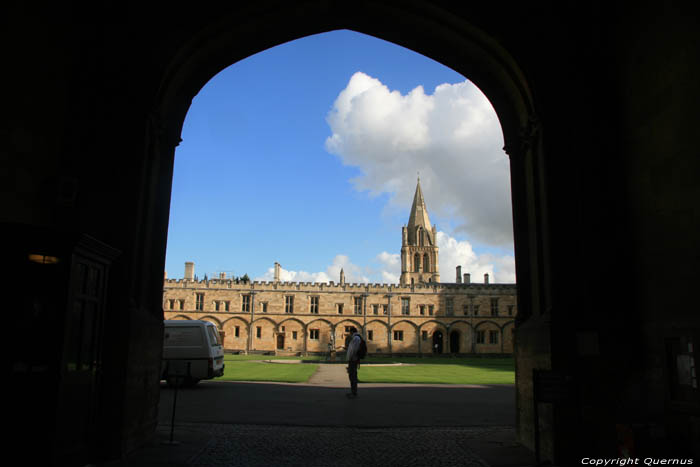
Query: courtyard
x=293 y=413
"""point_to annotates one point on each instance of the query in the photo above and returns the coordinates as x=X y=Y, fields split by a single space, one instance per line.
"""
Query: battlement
x=336 y=287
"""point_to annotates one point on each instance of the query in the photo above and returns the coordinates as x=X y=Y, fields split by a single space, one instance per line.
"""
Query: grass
x=252 y=371
x=436 y=374
x=427 y=370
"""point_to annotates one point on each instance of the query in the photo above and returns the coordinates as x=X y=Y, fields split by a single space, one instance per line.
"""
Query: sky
x=308 y=153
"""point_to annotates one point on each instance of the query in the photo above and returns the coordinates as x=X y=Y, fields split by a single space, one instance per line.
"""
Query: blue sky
x=273 y=166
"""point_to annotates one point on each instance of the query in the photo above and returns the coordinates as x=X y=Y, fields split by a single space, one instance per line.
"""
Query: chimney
x=467 y=278
x=486 y=278
x=342 y=276
x=277 y=271
x=189 y=271
x=459 y=274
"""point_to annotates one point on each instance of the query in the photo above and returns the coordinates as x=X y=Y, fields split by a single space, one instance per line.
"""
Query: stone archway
x=461 y=46
x=438 y=342
x=455 y=337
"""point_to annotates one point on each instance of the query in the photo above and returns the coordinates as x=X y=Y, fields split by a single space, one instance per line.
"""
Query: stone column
x=252 y=318
x=388 y=328
x=364 y=315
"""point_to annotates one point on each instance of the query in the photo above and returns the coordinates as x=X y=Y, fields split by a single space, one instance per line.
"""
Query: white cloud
x=353 y=273
x=452 y=253
x=452 y=137
x=455 y=253
x=390 y=269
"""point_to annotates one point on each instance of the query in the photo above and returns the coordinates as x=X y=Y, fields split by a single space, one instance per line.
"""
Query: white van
x=191 y=349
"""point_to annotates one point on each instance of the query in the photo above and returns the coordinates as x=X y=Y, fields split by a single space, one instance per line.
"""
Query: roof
x=419 y=216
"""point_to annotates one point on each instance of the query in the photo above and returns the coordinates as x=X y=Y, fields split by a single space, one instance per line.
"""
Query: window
x=217 y=305
x=465 y=309
x=200 y=302
x=313 y=305
x=258 y=331
x=398 y=335
x=385 y=309
x=510 y=310
x=214 y=336
x=245 y=304
x=171 y=304
x=264 y=307
x=237 y=331
x=431 y=310
x=476 y=310
x=375 y=309
x=450 y=305
x=424 y=335
x=313 y=334
x=289 y=304
x=370 y=335
x=494 y=307
x=479 y=337
x=405 y=306
x=182 y=304
x=493 y=337
x=358 y=305
x=340 y=308
x=422 y=309
x=294 y=335
x=227 y=305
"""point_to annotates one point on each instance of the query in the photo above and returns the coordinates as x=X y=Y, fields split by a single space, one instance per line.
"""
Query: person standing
x=353 y=358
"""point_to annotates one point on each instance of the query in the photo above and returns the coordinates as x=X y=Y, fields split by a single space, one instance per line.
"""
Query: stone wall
x=307 y=317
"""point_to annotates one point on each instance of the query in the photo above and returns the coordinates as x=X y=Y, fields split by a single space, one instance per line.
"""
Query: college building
x=418 y=316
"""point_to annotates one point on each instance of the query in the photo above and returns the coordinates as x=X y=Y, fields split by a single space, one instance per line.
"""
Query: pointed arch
x=297 y=320
x=236 y=318
x=439 y=323
x=181 y=317
x=404 y=321
x=213 y=320
x=487 y=321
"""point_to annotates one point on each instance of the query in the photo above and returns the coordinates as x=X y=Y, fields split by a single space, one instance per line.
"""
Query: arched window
x=416 y=262
x=426 y=262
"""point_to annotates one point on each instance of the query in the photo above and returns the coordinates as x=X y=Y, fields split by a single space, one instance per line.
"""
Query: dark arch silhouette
x=438 y=342
x=455 y=341
x=462 y=47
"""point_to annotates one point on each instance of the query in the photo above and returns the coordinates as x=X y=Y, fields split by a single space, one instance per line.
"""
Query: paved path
x=205 y=445
x=220 y=423
x=330 y=376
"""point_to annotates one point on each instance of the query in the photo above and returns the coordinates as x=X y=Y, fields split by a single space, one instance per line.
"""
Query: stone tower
x=419 y=251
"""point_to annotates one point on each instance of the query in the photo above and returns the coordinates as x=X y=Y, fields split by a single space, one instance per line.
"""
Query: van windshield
x=214 y=334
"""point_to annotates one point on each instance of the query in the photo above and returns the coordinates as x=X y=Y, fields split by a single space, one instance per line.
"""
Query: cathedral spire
x=419 y=251
x=419 y=214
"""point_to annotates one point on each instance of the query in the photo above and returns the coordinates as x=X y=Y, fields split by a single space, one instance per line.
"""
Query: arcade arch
x=430 y=31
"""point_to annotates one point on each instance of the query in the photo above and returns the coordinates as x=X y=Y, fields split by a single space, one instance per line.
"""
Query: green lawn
x=441 y=373
x=427 y=370
x=240 y=370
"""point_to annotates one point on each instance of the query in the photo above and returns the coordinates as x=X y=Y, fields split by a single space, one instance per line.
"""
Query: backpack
x=362 y=350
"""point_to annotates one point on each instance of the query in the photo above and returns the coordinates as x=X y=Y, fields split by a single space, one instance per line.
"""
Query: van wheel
x=181 y=383
x=189 y=382
x=174 y=382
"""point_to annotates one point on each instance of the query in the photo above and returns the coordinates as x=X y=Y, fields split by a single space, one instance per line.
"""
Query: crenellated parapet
x=437 y=287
